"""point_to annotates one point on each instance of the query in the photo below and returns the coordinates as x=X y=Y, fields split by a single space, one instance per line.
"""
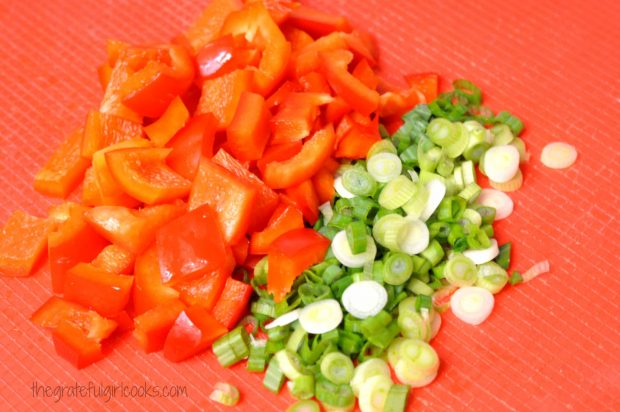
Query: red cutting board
x=550 y=345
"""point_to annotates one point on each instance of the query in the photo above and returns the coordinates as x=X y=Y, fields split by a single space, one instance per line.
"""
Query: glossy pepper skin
x=285 y=218
x=152 y=326
x=232 y=303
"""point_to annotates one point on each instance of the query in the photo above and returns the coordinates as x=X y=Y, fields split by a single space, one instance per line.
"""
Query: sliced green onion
x=502 y=135
x=503 y=259
x=264 y=307
x=332 y=273
x=337 y=368
x=483 y=255
x=289 y=363
x=342 y=251
x=501 y=163
x=477 y=133
x=492 y=277
x=471 y=192
x=520 y=145
x=436 y=192
x=429 y=159
x=470 y=91
x=382 y=146
x=516 y=278
x=333 y=395
x=366 y=370
x=433 y=253
x=339 y=286
x=451 y=209
x=397 y=192
x=409 y=156
x=364 y=299
x=313 y=292
x=374 y=324
x=384 y=167
x=321 y=317
x=469 y=172
x=397 y=268
x=232 y=347
x=417 y=203
x=350 y=343
x=340 y=189
x=472 y=217
x=304 y=406
x=419 y=288
x=411 y=323
x=359 y=182
x=442 y=132
x=457 y=148
x=445 y=166
x=302 y=387
x=472 y=305
x=225 y=393
x=500 y=201
x=327 y=212
x=460 y=270
x=260 y=271
x=374 y=392
x=426 y=177
x=296 y=339
x=387 y=229
x=397 y=398
x=356 y=237
x=486 y=212
x=362 y=207
x=258 y=356
x=274 y=377
x=515 y=124
x=415 y=362
x=278 y=333
x=274 y=346
x=340 y=221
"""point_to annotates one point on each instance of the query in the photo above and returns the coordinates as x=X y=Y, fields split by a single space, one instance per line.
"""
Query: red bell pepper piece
x=279 y=96
x=303 y=165
x=205 y=290
x=111 y=103
x=105 y=292
x=317 y=22
x=290 y=255
x=285 y=218
x=124 y=321
x=308 y=59
x=57 y=310
x=64 y=170
x=359 y=96
x=72 y=344
x=193 y=331
x=278 y=9
x=22 y=243
x=192 y=245
x=148 y=289
x=224 y=55
x=427 y=83
x=296 y=116
x=240 y=250
x=304 y=197
x=363 y=45
x=277 y=153
x=103 y=130
x=255 y=23
x=91 y=195
x=266 y=199
x=196 y=139
x=323 y=183
x=60 y=213
x=220 y=96
x=152 y=327
x=364 y=73
x=231 y=197
x=73 y=242
x=115 y=259
x=314 y=82
x=104 y=73
x=233 y=302
x=208 y=25
x=133 y=230
x=248 y=132
x=144 y=175
x=298 y=38
x=357 y=140
x=150 y=90
x=171 y=121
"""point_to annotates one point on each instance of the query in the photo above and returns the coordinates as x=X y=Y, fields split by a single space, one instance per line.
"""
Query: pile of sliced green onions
x=407 y=223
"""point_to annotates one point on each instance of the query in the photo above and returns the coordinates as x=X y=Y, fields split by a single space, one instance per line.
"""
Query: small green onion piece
x=502 y=135
x=397 y=268
x=304 y=406
x=415 y=362
x=473 y=217
x=356 y=236
x=337 y=368
x=476 y=152
x=419 y=288
x=492 y=277
x=382 y=146
x=289 y=363
x=328 y=231
x=359 y=182
x=374 y=393
x=327 y=211
x=366 y=370
x=383 y=339
x=476 y=132
x=428 y=160
x=274 y=346
x=423 y=302
x=274 y=377
x=258 y=356
x=387 y=229
x=296 y=339
x=438 y=270
x=468 y=90
x=397 y=398
x=351 y=324
x=460 y=271
x=384 y=167
x=445 y=166
x=363 y=207
x=411 y=323
x=442 y=132
x=260 y=271
x=515 y=124
x=416 y=204
x=457 y=148
x=516 y=278
x=265 y=307
x=339 y=286
x=280 y=332
x=302 y=387
x=350 y=343
x=232 y=347
x=420 y=265
x=313 y=292
x=471 y=192
x=374 y=324
x=486 y=212
x=397 y=192
x=433 y=253
x=332 y=273
x=469 y=172
x=488 y=229
x=451 y=209
x=225 y=394
x=409 y=156
x=503 y=259
x=520 y=145
x=340 y=221
x=427 y=177
x=332 y=395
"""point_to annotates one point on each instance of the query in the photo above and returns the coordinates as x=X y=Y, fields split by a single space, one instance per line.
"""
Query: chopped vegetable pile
x=258 y=162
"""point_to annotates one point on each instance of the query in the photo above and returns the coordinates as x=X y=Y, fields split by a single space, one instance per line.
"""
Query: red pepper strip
x=353 y=91
x=304 y=197
x=279 y=10
x=248 y=132
x=233 y=302
x=303 y=165
x=356 y=143
x=220 y=96
x=205 y=291
x=278 y=153
x=224 y=55
x=65 y=169
x=363 y=45
x=115 y=259
x=254 y=21
x=152 y=327
x=191 y=246
x=196 y=139
x=22 y=243
x=208 y=25
x=104 y=72
x=336 y=110
x=323 y=183
x=427 y=83
x=295 y=119
x=103 y=130
x=148 y=289
x=231 y=198
x=72 y=344
x=314 y=82
x=133 y=230
x=150 y=90
x=298 y=38
x=285 y=218
x=290 y=255
x=308 y=59
x=91 y=195
x=171 y=121
x=57 y=310
x=193 y=331
x=366 y=74
x=240 y=250
x=316 y=22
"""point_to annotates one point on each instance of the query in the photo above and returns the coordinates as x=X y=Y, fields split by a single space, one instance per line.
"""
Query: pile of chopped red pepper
x=205 y=155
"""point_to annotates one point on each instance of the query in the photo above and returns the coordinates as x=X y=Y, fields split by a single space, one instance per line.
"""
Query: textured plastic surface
x=550 y=345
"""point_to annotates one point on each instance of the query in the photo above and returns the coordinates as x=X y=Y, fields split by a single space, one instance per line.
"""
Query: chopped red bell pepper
x=115 y=259
x=220 y=96
x=144 y=175
x=193 y=331
x=356 y=141
x=363 y=45
x=427 y=83
x=192 y=245
x=303 y=165
x=308 y=59
x=296 y=116
x=72 y=344
x=284 y=219
x=65 y=169
x=336 y=110
x=104 y=73
x=323 y=183
x=359 y=96
x=279 y=96
x=298 y=38
x=314 y=82
x=278 y=153
x=279 y=9
x=152 y=327
x=317 y=22
x=91 y=195
x=248 y=132
x=196 y=139
x=364 y=73
x=105 y=292
x=224 y=55
x=148 y=289
x=232 y=198
x=266 y=199
x=232 y=303
x=208 y=25
x=304 y=197
x=103 y=130
x=171 y=121
x=240 y=250
x=205 y=290
x=291 y=254
x=133 y=230
x=22 y=243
